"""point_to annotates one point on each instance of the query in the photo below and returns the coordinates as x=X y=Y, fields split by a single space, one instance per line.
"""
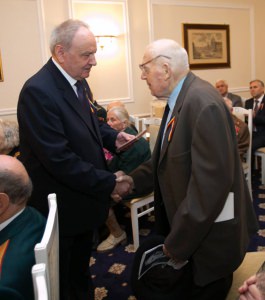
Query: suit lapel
x=71 y=98
x=175 y=114
x=262 y=106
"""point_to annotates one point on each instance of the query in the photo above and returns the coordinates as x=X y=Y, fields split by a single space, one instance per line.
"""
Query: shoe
x=111 y=242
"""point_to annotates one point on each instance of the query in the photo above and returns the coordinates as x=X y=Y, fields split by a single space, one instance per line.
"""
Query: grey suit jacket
x=192 y=176
x=236 y=100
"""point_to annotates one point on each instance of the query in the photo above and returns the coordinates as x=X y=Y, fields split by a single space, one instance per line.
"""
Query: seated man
x=257 y=104
x=21 y=227
x=222 y=86
x=118 y=118
x=9 y=138
x=242 y=132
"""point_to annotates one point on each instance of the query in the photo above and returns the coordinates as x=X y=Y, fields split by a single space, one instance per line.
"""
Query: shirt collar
x=70 y=79
x=260 y=98
x=5 y=223
x=174 y=95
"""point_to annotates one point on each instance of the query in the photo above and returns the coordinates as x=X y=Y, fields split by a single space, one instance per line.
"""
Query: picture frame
x=1 y=69
x=207 y=45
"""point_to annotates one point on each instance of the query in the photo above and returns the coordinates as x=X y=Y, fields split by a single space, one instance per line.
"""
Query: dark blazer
x=259 y=119
x=193 y=173
x=61 y=147
x=17 y=242
x=236 y=100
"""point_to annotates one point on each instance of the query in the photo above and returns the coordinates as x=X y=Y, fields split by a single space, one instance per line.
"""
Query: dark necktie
x=80 y=91
x=84 y=95
x=256 y=107
x=163 y=124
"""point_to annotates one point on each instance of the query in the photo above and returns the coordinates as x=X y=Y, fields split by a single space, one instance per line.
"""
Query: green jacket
x=17 y=242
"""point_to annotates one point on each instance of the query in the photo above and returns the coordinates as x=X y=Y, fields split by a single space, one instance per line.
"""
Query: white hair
x=179 y=60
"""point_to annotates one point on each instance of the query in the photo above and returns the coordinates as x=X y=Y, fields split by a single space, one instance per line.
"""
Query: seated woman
x=118 y=118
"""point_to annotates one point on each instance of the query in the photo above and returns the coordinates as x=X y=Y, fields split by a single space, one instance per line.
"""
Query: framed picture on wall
x=1 y=69
x=208 y=45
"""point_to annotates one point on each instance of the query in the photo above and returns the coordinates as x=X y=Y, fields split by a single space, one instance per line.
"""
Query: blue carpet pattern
x=111 y=271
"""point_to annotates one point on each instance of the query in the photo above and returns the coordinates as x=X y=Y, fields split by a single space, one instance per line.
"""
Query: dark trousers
x=258 y=140
x=75 y=279
x=216 y=290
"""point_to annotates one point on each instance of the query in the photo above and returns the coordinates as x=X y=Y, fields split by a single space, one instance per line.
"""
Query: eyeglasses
x=142 y=66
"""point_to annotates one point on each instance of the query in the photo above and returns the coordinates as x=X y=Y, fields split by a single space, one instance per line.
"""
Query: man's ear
x=167 y=71
x=4 y=202
x=59 y=52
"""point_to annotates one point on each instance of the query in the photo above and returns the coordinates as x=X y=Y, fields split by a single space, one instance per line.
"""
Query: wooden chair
x=139 y=207
x=40 y=282
x=47 y=251
x=242 y=114
x=261 y=153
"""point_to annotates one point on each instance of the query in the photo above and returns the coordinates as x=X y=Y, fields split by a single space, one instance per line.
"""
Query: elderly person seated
x=118 y=118
x=21 y=228
x=242 y=132
x=9 y=138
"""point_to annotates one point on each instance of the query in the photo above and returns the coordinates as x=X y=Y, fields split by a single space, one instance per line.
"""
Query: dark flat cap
x=152 y=275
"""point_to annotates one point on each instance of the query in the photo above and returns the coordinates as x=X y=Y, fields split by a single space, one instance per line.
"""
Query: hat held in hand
x=154 y=276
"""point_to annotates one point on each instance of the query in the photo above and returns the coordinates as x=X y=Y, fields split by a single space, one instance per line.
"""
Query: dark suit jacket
x=61 y=147
x=236 y=100
x=193 y=174
x=259 y=119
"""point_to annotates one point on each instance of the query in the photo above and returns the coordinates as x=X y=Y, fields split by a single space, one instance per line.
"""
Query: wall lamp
x=104 y=40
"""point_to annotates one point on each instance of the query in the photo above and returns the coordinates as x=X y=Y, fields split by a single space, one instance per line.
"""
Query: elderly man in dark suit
x=222 y=86
x=202 y=203
x=62 y=143
x=257 y=103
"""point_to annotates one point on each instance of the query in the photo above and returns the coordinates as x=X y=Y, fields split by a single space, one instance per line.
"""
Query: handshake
x=124 y=186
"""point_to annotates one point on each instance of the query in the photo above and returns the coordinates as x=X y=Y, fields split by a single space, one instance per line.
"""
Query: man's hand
x=249 y=290
x=122 y=138
x=124 y=186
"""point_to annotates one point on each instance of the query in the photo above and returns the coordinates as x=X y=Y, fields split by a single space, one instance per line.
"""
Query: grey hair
x=257 y=80
x=9 y=136
x=15 y=186
x=121 y=113
x=64 y=33
x=224 y=81
x=179 y=57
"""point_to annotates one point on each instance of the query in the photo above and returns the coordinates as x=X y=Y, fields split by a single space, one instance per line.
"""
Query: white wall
x=25 y=26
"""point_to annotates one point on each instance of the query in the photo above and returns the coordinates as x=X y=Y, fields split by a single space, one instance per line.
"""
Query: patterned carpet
x=111 y=271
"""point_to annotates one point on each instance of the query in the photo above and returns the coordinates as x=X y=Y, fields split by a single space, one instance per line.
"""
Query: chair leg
x=135 y=227
x=262 y=169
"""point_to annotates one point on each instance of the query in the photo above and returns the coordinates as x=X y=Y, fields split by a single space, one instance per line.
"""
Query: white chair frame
x=139 y=207
x=47 y=251
x=40 y=281
x=260 y=152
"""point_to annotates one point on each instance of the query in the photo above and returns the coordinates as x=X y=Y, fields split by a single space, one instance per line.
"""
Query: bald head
x=170 y=48
x=165 y=63
x=222 y=86
x=14 y=180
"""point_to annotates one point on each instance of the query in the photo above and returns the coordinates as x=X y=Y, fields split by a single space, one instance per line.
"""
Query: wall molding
x=128 y=98
x=4 y=112
x=249 y=8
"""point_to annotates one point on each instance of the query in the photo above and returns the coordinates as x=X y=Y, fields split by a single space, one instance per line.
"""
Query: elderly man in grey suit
x=222 y=86
x=202 y=203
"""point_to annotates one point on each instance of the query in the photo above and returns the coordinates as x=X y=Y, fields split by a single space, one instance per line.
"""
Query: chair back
x=246 y=116
x=152 y=125
x=40 y=282
x=47 y=251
